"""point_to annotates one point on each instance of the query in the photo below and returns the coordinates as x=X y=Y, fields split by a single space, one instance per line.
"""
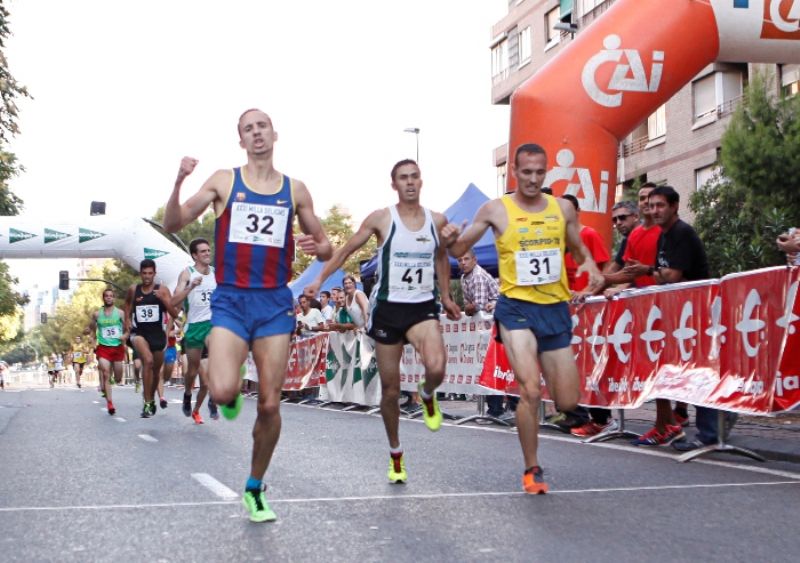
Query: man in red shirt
x=593 y=242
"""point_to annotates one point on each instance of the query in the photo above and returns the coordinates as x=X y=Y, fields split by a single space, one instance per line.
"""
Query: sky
x=122 y=90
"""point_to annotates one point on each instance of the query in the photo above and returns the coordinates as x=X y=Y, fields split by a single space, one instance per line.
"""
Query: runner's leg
x=388 y=356
x=561 y=376
x=521 y=350
x=148 y=376
x=227 y=353
x=271 y=355
x=426 y=338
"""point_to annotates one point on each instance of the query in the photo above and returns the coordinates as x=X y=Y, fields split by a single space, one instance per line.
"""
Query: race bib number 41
x=538 y=267
x=411 y=272
x=264 y=225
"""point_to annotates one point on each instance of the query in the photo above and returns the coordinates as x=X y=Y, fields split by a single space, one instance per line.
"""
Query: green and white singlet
x=406 y=262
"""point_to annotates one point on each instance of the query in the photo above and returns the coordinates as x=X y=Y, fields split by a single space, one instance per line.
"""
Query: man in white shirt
x=325 y=301
x=311 y=319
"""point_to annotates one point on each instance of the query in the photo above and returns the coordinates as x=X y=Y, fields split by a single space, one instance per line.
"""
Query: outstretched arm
x=451 y=309
x=458 y=242
x=578 y=250
x=369 y=227
x=184 y=287
x=314 y=241
x=177 y=216
x=166 y=298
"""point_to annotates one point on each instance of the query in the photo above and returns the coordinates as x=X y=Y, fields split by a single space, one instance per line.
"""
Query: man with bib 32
x=532 y=313
x=252 y=306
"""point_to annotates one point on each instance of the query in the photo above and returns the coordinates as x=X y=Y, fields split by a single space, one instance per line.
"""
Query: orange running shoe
x=533 y=481
x=197 y=418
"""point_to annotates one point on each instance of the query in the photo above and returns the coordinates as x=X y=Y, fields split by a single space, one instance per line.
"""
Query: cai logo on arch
x=781 y=19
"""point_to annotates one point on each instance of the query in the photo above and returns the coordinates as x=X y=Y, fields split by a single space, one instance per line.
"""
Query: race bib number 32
x=264 y=225
x=538 y=267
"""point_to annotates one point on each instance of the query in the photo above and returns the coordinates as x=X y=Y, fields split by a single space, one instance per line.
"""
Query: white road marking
x=119 y=419
x=214 y=486
x=147 y=438
x=655 y=452
x=399 y=497
x=96 y=402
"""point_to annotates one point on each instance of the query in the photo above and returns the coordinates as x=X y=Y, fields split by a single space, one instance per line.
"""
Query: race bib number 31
x=264 y=225
x=538 y=267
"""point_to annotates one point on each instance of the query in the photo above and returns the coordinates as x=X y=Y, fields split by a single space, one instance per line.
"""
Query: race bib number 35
x=111 y=332
x=538 y=267
x=147 y=314
x=264 y=225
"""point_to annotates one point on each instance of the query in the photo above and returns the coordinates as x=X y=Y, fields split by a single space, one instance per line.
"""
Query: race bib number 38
x=264 y=225
x=147 y=314
x=538 y=267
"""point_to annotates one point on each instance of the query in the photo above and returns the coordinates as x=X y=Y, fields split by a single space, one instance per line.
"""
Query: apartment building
x=679 y=144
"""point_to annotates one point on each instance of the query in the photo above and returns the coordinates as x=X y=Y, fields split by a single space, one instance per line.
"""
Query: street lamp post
x=414 y=130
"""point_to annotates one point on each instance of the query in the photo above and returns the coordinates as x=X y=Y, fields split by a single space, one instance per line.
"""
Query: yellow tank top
x=531 y=254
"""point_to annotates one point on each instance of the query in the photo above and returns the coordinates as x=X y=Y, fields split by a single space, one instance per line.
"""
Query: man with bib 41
x=532 y=313
x=252 y=306
x=403 y=301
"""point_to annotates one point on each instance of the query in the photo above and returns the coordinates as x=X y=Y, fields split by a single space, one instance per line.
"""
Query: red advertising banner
x=731 y=343
x=307 y=362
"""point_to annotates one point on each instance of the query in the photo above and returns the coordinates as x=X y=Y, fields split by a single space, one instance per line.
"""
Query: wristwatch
x=651 y=270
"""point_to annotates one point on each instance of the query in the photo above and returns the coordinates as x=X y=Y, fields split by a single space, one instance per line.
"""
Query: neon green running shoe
x=430 y=410
x=232 y=409
x=256 y=505
x=137 y=387
x=397 y=468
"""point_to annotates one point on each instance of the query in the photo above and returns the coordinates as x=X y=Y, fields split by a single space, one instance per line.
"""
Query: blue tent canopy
x=310 y=275
x=463 y=209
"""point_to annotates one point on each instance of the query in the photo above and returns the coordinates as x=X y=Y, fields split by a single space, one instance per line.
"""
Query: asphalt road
x=79 y=485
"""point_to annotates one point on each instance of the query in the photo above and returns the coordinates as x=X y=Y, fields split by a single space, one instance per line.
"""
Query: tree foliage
x=202 y=228
x=338 y=225
x=740 y=212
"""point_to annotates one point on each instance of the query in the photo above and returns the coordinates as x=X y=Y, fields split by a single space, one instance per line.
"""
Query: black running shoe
x=187 y=405
x=213 y=412
x=146 y=411
x=163 y=403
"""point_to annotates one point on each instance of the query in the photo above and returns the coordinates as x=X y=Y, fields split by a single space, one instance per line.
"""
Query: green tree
x=10 y=204
x=338 y=225
x=203 y=227
x=740 y=212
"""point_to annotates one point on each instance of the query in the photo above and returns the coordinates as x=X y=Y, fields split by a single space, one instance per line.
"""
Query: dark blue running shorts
x=551 y=324
x=253 y=313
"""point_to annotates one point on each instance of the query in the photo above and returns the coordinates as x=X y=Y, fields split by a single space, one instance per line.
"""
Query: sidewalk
x=775 y=438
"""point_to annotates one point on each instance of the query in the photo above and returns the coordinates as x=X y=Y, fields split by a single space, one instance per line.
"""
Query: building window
x=704 y=97
x=501 y=179
x=703 y=175
x=589 y=5
x=500 y=61
x=716 y=95
x=524 y=45
x=657 y=123
x=553 y=35
x=790 y=80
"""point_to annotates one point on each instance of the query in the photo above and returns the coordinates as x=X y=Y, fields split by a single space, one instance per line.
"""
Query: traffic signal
x=44 y=318
x=63 y=279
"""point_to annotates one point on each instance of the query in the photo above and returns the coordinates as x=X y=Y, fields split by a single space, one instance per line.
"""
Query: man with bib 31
x=252 y=306
x=532 y=313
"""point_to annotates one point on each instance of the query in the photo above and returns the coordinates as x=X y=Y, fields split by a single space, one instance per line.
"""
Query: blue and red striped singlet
x=254 y=245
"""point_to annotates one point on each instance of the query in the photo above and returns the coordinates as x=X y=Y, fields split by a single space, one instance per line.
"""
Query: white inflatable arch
x=128 y=238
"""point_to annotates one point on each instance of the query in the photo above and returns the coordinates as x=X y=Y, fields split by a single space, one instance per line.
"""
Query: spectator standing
x=325 y=305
